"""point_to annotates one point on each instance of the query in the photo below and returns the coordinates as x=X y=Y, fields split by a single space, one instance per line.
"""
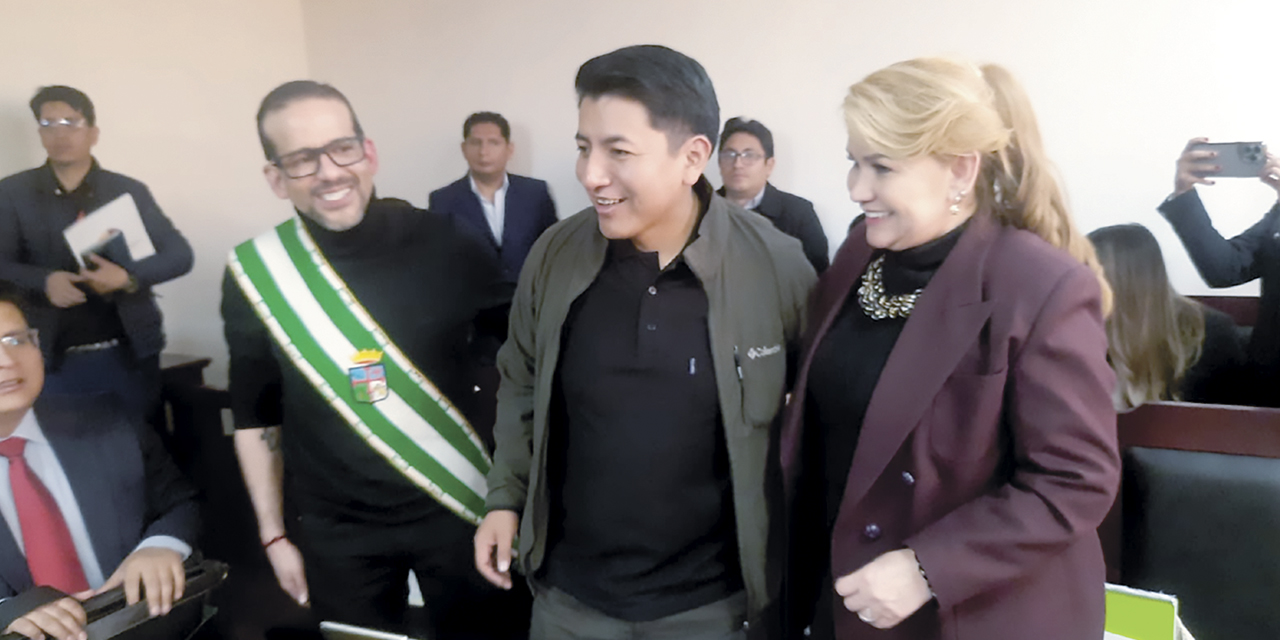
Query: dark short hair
x=11 y=293
x=490 y=117
x=673 y=88
x=293 y=91
x=74 y=98
x=753 y=127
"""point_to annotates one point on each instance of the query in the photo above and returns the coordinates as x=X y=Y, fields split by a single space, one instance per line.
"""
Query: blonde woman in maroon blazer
x=949 y=448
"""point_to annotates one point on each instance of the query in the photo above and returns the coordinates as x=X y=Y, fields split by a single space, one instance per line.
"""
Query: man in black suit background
x=84 y=490
x=100 y=327
x=746 y=162
x=508 y=211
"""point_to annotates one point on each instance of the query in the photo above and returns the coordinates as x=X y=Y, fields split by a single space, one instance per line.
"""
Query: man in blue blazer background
x=90 y=500
x=508 y=211
x=746 y=162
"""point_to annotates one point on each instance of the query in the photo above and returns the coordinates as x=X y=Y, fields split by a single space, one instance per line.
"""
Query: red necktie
x=51 y=555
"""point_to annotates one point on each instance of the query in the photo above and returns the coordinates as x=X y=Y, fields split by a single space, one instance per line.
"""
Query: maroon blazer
x=988 y=446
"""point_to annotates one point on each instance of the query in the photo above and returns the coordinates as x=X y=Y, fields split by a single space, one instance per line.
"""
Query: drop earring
x=955 y=204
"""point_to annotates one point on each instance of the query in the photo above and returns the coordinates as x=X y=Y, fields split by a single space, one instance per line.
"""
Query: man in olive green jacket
x=734 y=289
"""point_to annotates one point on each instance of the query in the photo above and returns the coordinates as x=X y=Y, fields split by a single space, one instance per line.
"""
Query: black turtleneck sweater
x=847 y=365
x=438 y=296
x=846 y=368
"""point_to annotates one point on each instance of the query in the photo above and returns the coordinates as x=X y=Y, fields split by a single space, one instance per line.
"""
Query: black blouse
x=846 y=368
x=847 y=365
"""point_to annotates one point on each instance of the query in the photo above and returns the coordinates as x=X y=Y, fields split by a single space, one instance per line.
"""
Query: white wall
x=1119 y=85
x=176 y=86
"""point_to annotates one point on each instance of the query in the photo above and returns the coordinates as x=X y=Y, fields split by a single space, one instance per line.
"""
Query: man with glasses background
x=353 y=330
x=746 y=162
x=100 y=326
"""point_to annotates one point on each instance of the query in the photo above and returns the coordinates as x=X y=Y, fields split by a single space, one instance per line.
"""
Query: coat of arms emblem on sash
x=368 y=377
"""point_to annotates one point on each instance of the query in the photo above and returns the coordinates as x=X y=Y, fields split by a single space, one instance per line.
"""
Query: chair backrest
x=1199 y=514
x=1242 y=309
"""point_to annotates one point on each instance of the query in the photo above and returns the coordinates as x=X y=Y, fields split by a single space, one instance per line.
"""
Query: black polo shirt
x=96 y=319
x=642 y=523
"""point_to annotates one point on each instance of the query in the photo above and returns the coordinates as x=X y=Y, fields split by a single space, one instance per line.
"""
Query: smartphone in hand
x=1236 y=159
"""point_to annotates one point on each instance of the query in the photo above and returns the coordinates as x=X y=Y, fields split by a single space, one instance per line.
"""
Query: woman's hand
x=887 y=590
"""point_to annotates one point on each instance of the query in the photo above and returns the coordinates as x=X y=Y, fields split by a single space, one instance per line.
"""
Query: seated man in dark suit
x=508 y=211
x=100 y=327
x=746 y=162
x=84 y=490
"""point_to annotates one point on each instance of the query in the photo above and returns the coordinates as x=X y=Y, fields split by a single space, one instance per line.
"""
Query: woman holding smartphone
x=950 y=447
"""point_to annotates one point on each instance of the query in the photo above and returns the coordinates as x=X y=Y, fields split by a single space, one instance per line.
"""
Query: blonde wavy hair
x=1154 y=335
x=946 y=108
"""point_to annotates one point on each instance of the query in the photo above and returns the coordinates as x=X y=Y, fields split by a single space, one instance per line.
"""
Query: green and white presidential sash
x=339 y=348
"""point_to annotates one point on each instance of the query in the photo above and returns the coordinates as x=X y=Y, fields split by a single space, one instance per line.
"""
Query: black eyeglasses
x=306 y=162
x=30 y=337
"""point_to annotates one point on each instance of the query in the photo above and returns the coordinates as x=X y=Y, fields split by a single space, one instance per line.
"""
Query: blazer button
x=908 y=478
x=871 y=532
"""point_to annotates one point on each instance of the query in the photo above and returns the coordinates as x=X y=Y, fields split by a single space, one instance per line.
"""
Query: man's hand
x=156 y=569
x=286 y=561
x=60 y=287
x=493 y=546
x=887 y=590
x=62 y=619
x=1193 y=166
x=107 y=277
x=1271 y=172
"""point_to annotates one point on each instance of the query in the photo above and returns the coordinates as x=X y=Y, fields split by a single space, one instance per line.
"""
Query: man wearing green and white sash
x=355 y=329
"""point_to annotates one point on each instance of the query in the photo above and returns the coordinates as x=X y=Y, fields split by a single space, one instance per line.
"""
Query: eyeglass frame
x=749 y=157
x=61 y=123
x=316 y=152
x=28 y=337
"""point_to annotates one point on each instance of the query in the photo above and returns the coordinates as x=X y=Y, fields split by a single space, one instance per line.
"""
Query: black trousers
x=357 y=573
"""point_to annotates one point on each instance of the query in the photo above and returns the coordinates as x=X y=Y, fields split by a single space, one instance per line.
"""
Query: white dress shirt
x=44 y=463
x=495 y=212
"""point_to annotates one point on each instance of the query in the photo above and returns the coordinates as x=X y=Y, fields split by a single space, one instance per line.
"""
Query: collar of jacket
x=953 y=309
x=48 y=182
x=770 y=203
x=705 y=254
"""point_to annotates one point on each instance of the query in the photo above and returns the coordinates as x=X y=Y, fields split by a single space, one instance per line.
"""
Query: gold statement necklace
x=873 y=300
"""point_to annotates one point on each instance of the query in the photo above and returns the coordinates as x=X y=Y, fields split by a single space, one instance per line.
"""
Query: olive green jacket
x=757 y=281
